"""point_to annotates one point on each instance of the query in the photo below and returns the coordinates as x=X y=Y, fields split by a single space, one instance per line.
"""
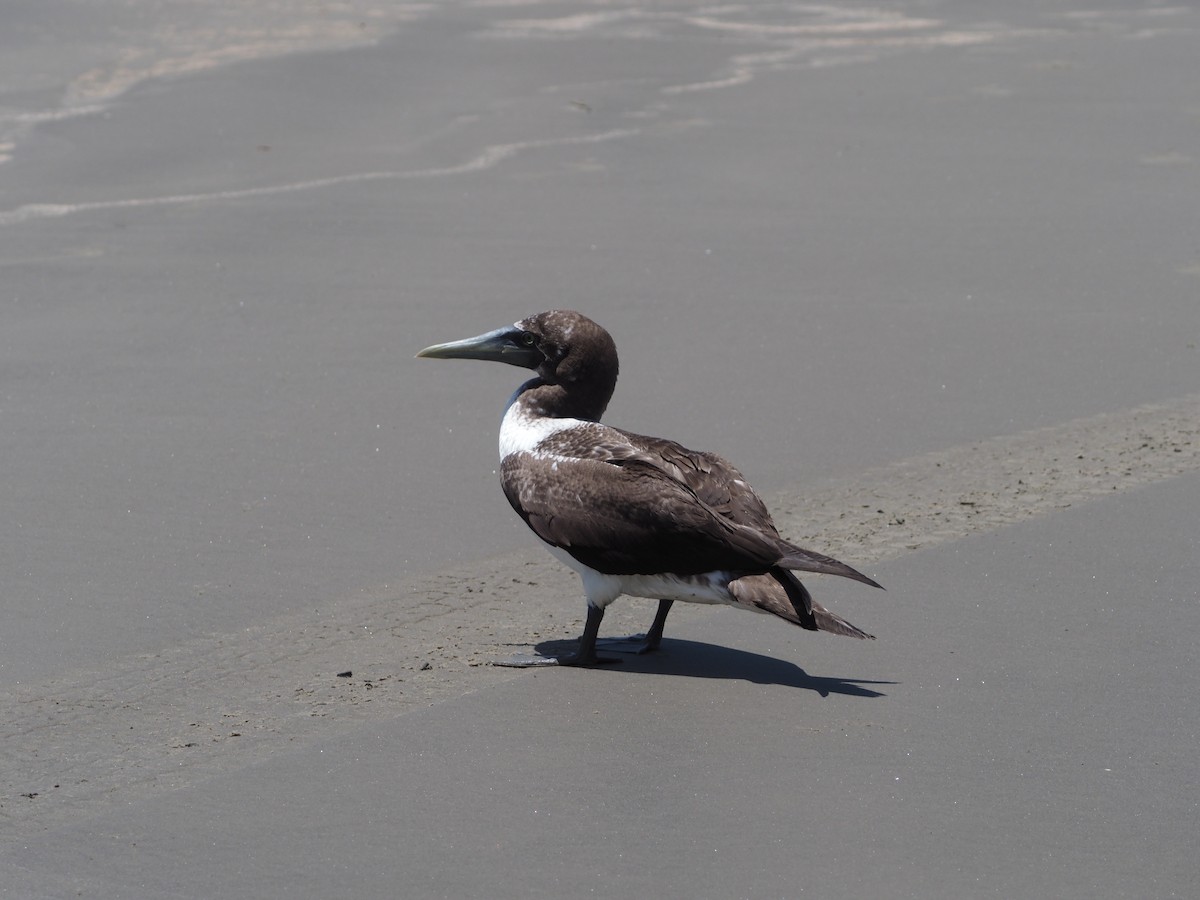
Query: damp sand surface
x=927 y=274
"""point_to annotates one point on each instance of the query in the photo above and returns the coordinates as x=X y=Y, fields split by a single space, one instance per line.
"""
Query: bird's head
x=568 y=351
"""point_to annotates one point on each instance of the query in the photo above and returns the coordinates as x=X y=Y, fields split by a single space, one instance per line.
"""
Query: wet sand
x=927 y=276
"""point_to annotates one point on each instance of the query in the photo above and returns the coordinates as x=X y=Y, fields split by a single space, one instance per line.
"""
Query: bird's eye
x=528 y=339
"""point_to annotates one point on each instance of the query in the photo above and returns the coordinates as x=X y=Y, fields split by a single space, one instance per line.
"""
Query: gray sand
x=928 y=276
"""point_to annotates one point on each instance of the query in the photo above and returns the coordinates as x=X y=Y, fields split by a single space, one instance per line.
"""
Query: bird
x=632 y=514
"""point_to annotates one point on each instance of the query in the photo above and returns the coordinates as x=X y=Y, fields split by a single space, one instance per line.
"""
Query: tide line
x=488 y=158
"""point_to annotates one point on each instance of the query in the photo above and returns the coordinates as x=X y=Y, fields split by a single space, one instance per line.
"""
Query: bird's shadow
x=693 y=659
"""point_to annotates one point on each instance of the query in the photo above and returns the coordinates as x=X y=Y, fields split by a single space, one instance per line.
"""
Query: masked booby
x=632 y=514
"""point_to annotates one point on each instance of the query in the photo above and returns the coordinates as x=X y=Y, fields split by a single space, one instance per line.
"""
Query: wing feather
x=629 y=517
x=713 y=479
x=635 y=504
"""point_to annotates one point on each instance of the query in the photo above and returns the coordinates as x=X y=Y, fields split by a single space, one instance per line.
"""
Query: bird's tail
x=781 y=593
x=808 y=561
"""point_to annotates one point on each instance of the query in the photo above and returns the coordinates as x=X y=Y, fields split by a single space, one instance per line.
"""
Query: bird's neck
x=585 y=401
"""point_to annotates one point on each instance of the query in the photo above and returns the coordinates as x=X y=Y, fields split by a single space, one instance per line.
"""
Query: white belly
x=709 y=587
x=601 y=589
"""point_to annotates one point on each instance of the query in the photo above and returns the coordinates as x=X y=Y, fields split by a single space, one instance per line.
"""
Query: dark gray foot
x=636 y=644
x=526 y=661
x=535 y=660
x=584 y=656
x=641 y=643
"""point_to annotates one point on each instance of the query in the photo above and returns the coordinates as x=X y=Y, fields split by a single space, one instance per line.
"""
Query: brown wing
x=723 y=488
x=628 y=516
x=673 y=481
x=713 y=479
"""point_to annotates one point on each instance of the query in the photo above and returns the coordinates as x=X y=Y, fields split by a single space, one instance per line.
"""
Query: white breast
x=521 y=432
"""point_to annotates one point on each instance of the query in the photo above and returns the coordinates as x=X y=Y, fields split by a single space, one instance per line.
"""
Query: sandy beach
x=927 y=273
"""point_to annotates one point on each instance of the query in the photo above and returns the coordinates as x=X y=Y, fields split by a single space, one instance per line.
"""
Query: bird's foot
x=535 y=660
x=635 y=644
x=526 y=661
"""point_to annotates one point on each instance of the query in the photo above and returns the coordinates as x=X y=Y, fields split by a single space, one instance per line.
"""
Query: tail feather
x=782 y=594
x=809 y=561
x=798 y=597
x=835 y=624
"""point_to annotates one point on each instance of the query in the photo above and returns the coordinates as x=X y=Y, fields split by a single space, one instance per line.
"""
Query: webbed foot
x=584 y=656
x=641 y=643
x=535 y=660
x=636 y=644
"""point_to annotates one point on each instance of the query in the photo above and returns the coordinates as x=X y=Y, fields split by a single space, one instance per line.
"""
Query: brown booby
x=632 y=514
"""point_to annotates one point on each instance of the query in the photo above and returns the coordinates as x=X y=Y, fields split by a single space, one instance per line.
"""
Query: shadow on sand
x=693 y=659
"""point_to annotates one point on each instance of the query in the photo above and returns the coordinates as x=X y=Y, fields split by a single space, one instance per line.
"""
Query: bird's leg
x=584 y=656
x=641 y=643
x=655 y=634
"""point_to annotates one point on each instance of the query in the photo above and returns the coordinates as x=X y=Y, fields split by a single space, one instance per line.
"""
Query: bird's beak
x=502 y=345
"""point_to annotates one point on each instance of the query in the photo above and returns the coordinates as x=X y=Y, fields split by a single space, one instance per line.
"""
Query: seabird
x=632 y=514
